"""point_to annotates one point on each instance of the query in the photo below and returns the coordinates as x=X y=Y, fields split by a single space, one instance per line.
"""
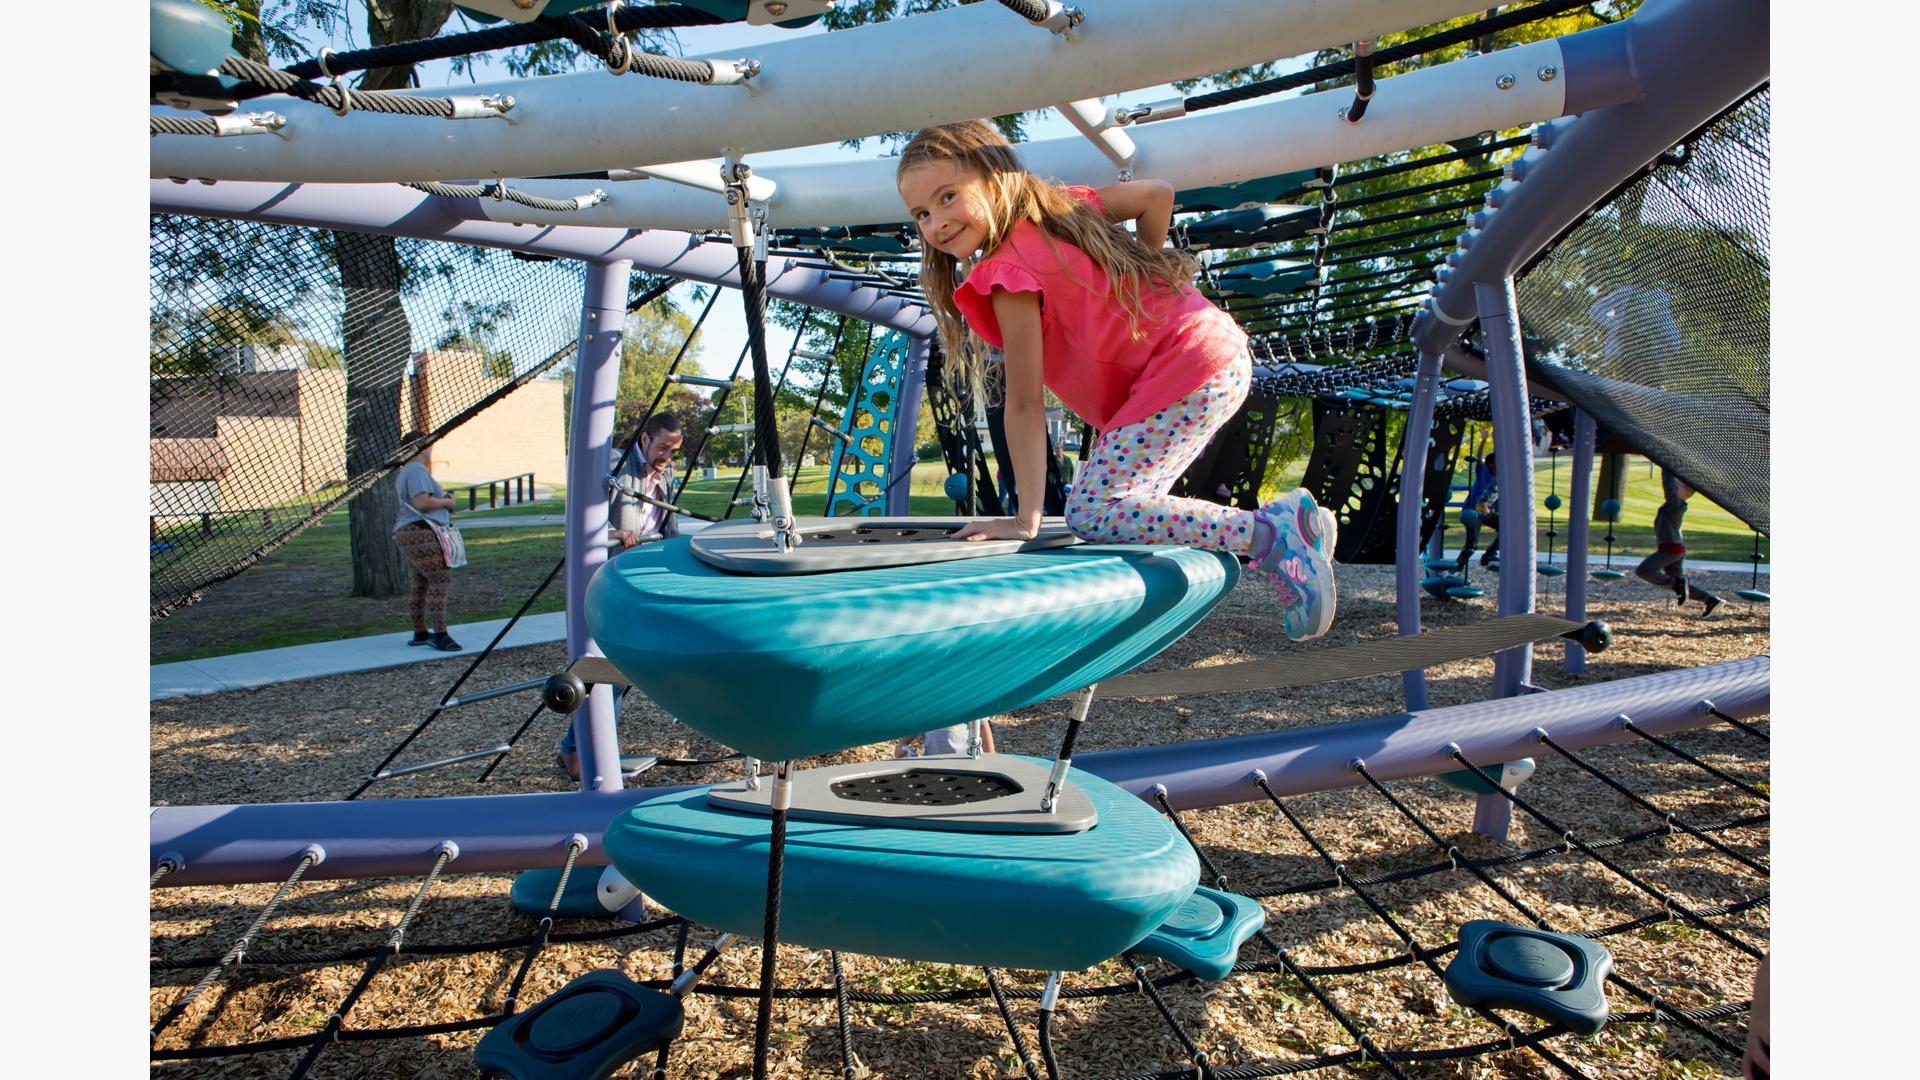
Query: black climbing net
x=1653 y=313
x=285 y=365
x=1656 y=849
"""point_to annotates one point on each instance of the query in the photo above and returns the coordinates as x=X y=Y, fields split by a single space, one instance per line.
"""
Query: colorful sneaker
x=1302 y=578
x=1315 y=522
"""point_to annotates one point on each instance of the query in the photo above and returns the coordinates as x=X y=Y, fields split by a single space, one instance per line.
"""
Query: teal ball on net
x=1469 y=516
x=957 y=486
x=1610 y=509
x=1552 y=502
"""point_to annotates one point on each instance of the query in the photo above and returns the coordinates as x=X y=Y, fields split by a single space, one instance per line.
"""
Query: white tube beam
x=1096 y=122
x=895 y=76
x=1423 y=107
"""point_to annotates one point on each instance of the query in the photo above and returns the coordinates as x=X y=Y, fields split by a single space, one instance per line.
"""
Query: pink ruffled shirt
x=1090 y=358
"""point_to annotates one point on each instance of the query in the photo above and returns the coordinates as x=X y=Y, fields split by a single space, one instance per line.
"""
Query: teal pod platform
x=1039 y=901
x=786 y=666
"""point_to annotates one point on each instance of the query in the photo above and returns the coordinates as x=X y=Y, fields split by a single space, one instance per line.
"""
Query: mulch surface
x=315 y=740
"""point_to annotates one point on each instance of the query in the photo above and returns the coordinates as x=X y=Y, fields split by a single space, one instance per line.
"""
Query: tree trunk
x=378 y=339
x=378 y=348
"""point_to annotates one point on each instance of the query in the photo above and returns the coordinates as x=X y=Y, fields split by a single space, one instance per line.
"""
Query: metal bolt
x=776 y=8
x=1504 y=82
x=1342 y=114
x=1548 y=73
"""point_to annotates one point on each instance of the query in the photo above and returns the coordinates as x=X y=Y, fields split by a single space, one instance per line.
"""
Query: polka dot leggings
x=1122 y=494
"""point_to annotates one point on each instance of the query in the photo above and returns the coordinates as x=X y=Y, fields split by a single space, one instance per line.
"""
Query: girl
x=1110 y=325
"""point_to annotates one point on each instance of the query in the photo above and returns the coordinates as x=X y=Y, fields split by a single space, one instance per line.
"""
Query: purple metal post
x=1407 y=571
x=596 y=384
x=906 y=418
x=1513 y=451
x=1579 y=518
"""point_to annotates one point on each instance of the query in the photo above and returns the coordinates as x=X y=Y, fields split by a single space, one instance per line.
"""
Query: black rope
x=1430 y=43
x=160 y=124
x=1455 y=857
x=766 y=429
x=1629 y=876
x=507 y=35
x=842 y=1029
x=1672 y=820
x=544 y=930
x=497 y=191
x=374 y=777
x=1013 y=1030
x=257 y=79
x=770 y=936
x=706 y=431
x=1481 y=150
x=785 y=369
x=1152 y=992
x=1714 y=711
x=619 y=54
x=1414 y=948
x=1670 y=748
x=820 y=394
x=238 y=953
x=1031 y=10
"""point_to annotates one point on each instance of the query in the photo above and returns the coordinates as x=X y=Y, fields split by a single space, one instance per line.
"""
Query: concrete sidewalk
x=217 y=674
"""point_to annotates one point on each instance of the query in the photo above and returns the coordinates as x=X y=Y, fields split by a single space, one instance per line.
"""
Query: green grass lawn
x=1712 y=533
x=297 y=595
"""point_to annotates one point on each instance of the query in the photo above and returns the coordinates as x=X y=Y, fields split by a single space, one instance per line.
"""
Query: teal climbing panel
x=858 y=474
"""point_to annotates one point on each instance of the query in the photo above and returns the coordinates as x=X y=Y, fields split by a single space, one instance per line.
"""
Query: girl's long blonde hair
x=1015 y=195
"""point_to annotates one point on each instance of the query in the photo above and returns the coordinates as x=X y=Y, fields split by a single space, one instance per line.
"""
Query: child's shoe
x=1302 y=577
x=1315 y=522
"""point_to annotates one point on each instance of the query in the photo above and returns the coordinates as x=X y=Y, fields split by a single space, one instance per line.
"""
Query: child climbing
x=1663 y=567
x=1109 y=323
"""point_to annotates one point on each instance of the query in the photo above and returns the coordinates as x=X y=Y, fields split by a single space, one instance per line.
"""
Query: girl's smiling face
x=948 y=205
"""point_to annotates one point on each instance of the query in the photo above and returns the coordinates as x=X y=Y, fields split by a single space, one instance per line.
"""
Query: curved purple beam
x=401 y=837
x=392 y=210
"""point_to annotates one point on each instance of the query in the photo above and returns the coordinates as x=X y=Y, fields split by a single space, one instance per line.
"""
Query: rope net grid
x=1327 y=959
x=286 y=365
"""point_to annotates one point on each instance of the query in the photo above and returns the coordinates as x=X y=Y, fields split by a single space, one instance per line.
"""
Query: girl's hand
x=997 y=529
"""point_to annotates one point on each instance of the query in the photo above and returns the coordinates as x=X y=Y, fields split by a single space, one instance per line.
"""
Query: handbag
x=452 y=547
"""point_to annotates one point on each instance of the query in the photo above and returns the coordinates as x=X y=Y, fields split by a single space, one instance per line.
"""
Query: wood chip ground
x=314 y=740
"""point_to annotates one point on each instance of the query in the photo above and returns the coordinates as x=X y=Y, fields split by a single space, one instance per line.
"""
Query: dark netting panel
x=286 y=364
x=1652 y=315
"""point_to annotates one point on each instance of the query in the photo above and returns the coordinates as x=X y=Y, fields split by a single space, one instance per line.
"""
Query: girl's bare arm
x=1146 y=203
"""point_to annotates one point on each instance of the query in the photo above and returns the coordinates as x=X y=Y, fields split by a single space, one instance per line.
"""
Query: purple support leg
x=596 y=383
x=1579 y=519
x=1407 y=570
x=1513 y=451
x=905 y=419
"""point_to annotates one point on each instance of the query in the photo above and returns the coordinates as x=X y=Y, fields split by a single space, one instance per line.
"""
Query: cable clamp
x=733 y=73
x=1062 y=19
x=1453 y=856
x=1146 y=114
x=1567 y=836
